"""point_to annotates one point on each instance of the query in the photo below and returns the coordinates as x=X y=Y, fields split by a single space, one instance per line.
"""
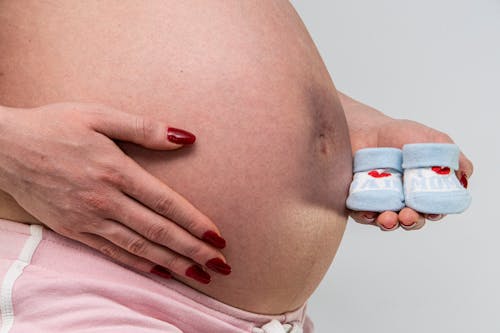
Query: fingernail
x=161 y=271
x=179 y=136
x=370 y=217
x=218 y=265
x=434 y=217
x=409 y=225
x=464 y=181
x=198 y=274
x=389 y=228
x=214 y=239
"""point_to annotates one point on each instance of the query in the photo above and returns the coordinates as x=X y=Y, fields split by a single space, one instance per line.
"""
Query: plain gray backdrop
x=436 y=62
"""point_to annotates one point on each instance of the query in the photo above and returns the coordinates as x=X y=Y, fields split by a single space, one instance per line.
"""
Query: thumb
x=465 y=170
x=141 y=130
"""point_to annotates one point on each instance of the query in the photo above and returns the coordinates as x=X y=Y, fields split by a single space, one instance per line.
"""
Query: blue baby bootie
x=377 y=184
x=430 y=183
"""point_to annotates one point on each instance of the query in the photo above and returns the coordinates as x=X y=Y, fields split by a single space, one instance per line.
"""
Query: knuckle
x=110 y=251
x=111 y=175
x=143 y=127
x=95 y=201
x=138 y=246
x=165 y=206
x=158 y=233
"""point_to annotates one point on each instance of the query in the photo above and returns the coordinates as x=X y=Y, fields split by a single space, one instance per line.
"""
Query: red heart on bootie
x=441 y=170
x=376 y=174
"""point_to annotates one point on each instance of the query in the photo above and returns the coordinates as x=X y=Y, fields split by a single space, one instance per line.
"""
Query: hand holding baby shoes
x=429 y=184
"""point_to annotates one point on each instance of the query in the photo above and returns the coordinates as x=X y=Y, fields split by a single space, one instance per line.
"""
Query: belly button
x=323 y=145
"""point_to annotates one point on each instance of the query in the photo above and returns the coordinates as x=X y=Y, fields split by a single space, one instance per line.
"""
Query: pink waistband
x=66 y=257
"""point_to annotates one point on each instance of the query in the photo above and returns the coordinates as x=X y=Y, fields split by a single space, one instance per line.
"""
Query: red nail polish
x=198 y=274
x=179 y=136
x=464 y=181
x=218 y=265
x=370 y=216
x=212 y=238
x=161 y=271
x=389 y=228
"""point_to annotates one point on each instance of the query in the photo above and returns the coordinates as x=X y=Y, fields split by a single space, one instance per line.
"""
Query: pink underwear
x=50 y=283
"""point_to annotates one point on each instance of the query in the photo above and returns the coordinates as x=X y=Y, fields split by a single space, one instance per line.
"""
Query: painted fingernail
x=389 y=228
x=218 y=265
x=370 y=216
x=434 y=217
x=198 y=274
x=212 y=238
x=464 y=181
x=179 y=136
x=161 y=271
x=410 y=225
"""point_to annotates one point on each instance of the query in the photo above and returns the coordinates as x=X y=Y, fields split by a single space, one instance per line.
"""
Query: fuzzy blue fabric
x=418 y=155
x=377 y=185
x=378 y=158
x=430 y=183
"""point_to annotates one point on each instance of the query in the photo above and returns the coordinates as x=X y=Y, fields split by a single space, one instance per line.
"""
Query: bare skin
x=371 y=128
x=272 y=162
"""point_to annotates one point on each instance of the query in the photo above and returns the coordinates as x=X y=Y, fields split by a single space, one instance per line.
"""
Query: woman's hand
x=61 y=165
x=371 y=128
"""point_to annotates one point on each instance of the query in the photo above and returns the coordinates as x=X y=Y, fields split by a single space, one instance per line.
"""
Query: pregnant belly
x=272 y=161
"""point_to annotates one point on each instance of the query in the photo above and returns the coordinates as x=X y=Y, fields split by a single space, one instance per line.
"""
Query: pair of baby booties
x=420 y=176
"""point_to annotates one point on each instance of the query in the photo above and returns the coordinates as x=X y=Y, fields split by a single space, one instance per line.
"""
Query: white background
x=436 y=62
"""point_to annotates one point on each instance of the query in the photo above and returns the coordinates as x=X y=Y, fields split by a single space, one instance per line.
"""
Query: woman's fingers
x=163 y=232
x=142 y=130
x=410 y=219
x=407 y=218
x=151 y=192
x=434 y=217
x=387 y=221
x=123 y=256
x=364 y=217
x=137 y=246
x=116 y=253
